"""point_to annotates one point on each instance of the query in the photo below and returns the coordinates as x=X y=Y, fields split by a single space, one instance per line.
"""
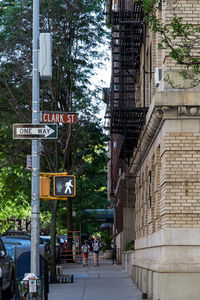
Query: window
x=150 y=190
x=150 y=66
x=1 y=246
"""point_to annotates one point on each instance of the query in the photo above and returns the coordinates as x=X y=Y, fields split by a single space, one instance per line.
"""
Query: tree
x=77 y=28
x=91 y=155
x=181 y=38
x=14 y=202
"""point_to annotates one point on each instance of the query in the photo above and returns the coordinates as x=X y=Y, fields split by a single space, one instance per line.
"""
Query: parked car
x=62 y=240
x=47 y=240
x=19 y=235
x=7 y=273
x=18 y=245
x=21 y=238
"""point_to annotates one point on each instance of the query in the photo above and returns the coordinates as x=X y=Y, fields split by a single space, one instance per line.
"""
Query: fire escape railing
x=127 y=112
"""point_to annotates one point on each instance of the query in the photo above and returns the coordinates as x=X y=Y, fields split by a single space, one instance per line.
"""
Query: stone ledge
x=167 y=268
x=170 y=237
x=169 y=250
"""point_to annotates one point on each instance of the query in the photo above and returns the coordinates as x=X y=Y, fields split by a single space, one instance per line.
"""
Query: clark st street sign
x=52 y=117
x=35 y=131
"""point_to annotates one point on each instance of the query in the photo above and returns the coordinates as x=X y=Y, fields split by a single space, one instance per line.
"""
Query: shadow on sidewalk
x=104 y=282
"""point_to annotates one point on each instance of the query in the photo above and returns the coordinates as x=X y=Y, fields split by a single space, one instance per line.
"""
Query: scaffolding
x=66 y=254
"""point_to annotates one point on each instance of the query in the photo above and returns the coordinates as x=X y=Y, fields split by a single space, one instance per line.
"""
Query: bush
x=130 y=245
x=107 y=241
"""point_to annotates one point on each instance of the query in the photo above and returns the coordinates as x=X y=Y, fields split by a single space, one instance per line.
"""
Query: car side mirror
x=2 y=253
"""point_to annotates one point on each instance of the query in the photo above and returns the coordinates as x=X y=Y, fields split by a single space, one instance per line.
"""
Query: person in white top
x=96 y=248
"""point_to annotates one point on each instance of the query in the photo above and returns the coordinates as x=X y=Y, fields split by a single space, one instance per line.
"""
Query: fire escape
x=127 y=112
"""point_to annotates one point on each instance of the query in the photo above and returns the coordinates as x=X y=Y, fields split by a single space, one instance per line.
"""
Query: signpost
x=58 y=117
x=35 y=182
x=35 y=131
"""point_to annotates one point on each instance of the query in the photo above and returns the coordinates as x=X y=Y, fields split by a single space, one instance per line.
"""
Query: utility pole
x=35 y=188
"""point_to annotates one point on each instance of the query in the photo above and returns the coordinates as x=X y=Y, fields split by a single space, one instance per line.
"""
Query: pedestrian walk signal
x=65 y=186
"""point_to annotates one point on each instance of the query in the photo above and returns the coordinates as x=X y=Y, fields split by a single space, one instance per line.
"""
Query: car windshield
x=16 y=240
x=63 y=239
x=21 y=240
x=46 y=239
x=10 y=249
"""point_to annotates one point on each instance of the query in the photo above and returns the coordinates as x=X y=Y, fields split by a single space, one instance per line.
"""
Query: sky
x=102 y=78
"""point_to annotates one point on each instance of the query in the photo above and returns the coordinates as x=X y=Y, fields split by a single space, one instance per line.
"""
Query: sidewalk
x=105 y=282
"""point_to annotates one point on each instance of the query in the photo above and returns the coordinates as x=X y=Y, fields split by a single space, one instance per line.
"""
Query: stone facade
x=165 y=166
x=167 y=188
x=167 y=196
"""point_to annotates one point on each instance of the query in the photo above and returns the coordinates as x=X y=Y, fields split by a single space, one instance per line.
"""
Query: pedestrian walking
x=96 y=249
x=85 y=250
x=91 y=241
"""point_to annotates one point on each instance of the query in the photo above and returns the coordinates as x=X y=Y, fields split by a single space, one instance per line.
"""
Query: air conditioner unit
x=116 y=87
x=158 y=76
x=114 y=6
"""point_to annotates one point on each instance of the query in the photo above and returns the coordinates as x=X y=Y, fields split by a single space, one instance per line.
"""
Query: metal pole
x=35 y=200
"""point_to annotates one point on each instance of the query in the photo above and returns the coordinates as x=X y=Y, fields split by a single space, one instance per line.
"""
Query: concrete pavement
x=105 y=282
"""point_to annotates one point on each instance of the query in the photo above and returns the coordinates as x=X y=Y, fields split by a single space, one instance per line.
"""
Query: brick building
x=155 y=153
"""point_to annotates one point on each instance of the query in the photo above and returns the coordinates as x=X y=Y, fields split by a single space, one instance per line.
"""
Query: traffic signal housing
x=44 y=187
x=64 y=186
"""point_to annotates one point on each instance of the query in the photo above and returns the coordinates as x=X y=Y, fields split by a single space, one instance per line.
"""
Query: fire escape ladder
x=127 y=112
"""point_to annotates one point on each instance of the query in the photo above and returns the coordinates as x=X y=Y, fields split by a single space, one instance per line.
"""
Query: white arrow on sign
x=35 y=131
x=46 y=131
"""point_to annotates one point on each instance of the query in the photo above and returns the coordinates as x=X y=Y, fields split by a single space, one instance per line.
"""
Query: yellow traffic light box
x=64 y=186
x=44 y=187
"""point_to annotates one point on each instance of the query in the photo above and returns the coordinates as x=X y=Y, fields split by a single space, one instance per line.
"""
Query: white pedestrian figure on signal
x=68 y=186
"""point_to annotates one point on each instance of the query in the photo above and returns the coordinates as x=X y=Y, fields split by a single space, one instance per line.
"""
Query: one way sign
x=35 y=131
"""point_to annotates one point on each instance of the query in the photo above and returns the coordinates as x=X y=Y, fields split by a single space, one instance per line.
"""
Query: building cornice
x=165 y=105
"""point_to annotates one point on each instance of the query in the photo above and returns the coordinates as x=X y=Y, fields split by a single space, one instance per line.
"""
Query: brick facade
x=148 y=197
x=173 y=172
x=180 y=205
x=125 y=199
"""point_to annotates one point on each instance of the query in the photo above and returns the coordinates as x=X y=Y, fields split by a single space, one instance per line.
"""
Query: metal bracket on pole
x=54 y=198
x=53 y=174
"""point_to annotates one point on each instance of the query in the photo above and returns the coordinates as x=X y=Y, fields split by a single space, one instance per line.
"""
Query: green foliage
x=89 y=164
x=77 y=29
x=130 y=245
x=180 y=38
x=106 y=239
x=14 y=196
